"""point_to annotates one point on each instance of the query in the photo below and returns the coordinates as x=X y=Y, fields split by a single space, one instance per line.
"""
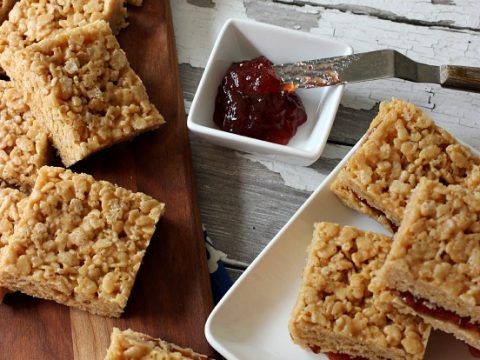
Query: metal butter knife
x=375 y=65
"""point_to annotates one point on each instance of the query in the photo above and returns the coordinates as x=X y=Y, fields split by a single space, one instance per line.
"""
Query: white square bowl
x=243 y=40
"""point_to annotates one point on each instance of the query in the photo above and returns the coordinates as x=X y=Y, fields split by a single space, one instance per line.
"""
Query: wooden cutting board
x=171 y=298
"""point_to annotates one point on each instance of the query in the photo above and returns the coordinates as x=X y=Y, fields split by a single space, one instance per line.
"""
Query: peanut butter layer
x=82 y=88
x=344 y=308
x=131 y=345
x=436 y=253
x=31 y=21
x=23 y=141
x=79 y=242
x=402 y=145
x=11 y=202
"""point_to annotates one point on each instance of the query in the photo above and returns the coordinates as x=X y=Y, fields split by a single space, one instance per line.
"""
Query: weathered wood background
x=244 y=200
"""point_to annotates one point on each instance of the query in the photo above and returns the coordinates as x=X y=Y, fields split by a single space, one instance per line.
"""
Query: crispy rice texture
x=342 y=305
x=11 y=204
x=83 y=90
x=436 y=253
x=402 y=145
x=131 y=345
x=24 y=144
x=79 y=242
x=31 y=21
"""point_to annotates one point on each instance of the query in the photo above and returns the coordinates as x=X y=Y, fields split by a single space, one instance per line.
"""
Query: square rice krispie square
x=131 y=345
x=434 y=264
x=24 y=144
x=83 y=89
x=402 y=145
x=343 y=308
x=11 y=202
x=79 y=242
x=31 y=21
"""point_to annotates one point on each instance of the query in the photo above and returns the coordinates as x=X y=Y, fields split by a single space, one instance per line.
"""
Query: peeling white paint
x=456 y=111
x=195 y=40
x=465 y=12
x=299 y=177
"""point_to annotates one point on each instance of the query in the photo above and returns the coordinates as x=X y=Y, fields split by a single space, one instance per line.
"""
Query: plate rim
x=210 y=336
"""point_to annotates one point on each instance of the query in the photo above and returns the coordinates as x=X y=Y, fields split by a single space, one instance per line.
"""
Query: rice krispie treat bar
x=79 y=242
x=343 y=308
x=83 y=89
x=23 y=141
x=11 y=202
x=131 y=345
x=31 y=21
x=434 y=264
x=402 y=145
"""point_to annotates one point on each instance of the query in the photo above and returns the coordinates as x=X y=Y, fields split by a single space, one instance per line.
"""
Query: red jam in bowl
x=251 y=102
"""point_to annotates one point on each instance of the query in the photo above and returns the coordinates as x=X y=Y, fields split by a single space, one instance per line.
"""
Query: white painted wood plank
x=246 y=200
x=456 y=111
x=459 y=13
x=243 y=203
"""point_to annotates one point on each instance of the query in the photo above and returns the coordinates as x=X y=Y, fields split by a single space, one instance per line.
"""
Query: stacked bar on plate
x=434 y=264
x=343 y=308
x=415 y=179
x=420 y=183
x=401 y=146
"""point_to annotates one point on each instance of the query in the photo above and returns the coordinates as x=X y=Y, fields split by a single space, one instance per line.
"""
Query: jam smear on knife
x=251 y=101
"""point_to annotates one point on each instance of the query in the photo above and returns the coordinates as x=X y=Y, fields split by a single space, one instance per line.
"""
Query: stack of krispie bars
x=65 y=236
x=363 y=295
x=75 y=80
x=401 y=146
x=343 y=308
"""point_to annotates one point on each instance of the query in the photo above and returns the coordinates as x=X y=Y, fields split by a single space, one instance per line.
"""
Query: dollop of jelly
x=251 y=101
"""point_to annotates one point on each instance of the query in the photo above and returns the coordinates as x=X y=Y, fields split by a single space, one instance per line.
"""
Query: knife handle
x=460 y=77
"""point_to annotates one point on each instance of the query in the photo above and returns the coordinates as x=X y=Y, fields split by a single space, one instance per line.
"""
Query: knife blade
x=374 y=65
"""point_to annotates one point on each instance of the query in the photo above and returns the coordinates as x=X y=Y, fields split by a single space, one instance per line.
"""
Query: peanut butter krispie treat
x=343 y=308
x=402 y=145
x=5 y=7
x=131 y=345
x=434 y=264
x=79 y=242
x=23 y=141
x=11 y=202
x=31 y=21
x=82 y=88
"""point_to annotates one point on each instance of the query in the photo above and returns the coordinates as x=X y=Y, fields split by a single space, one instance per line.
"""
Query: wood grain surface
x=171 y=298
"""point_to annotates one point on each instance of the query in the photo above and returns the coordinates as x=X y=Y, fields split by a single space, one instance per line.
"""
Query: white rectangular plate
x=251 y=321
